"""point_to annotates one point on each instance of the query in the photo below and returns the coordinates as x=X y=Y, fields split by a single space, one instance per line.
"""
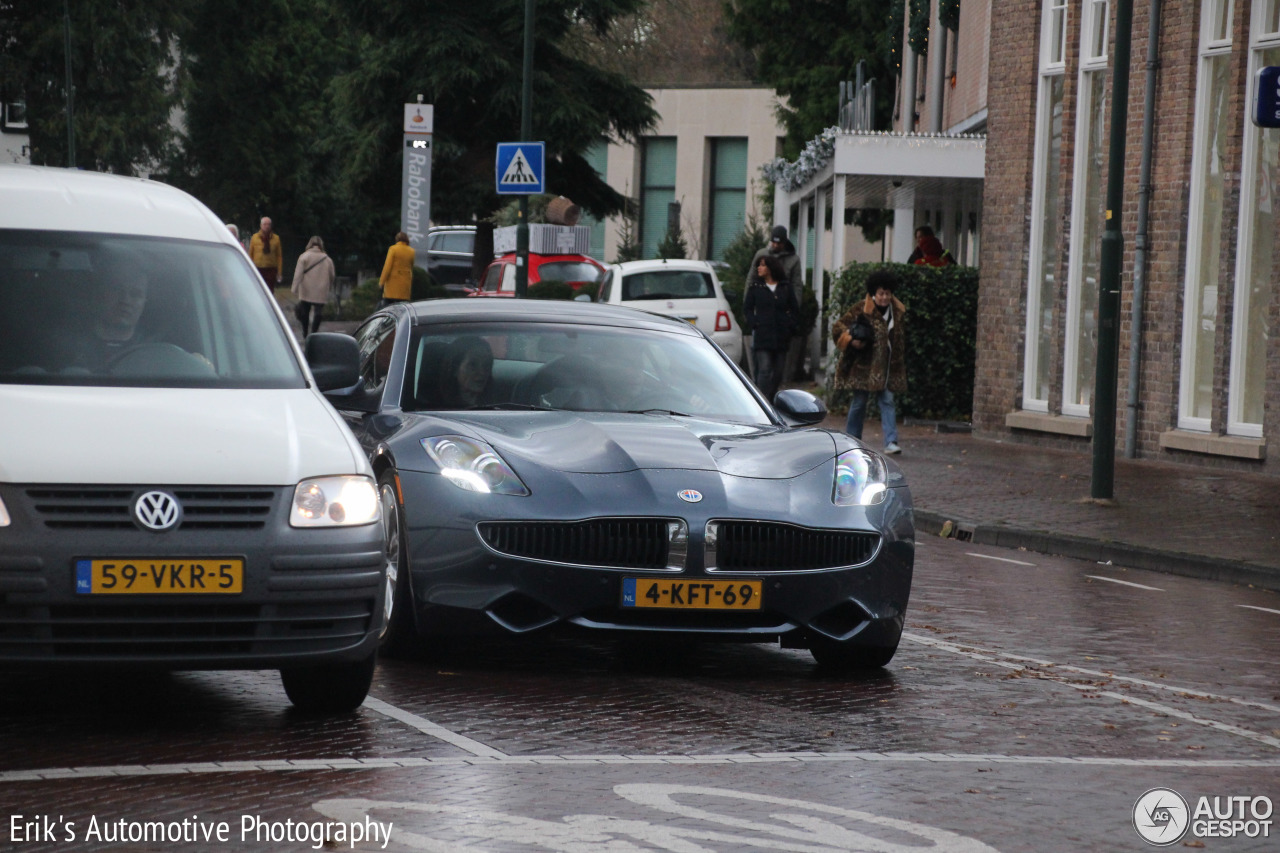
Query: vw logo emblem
x=157 y=510
x=689 y=495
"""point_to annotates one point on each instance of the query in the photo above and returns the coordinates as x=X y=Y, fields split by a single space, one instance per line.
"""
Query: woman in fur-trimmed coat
x=879 y=366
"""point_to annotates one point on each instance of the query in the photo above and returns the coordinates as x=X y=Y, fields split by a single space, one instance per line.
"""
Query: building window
x=1205 y=217
x=728 y=194
x=13 y=116
x=657 y=191
x=597 y=157
x=1256 y=257
x=1045 y=206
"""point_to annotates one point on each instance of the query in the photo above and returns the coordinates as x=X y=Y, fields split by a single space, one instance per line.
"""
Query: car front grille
x=111 y=508
x=155 y=631
x=624 y=543
x=759 y=546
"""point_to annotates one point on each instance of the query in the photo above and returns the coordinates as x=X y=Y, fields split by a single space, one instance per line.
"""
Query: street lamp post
x=526 y=133
x=71 y=97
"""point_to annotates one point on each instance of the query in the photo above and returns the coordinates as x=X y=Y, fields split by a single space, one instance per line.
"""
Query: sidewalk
x=1221 y=525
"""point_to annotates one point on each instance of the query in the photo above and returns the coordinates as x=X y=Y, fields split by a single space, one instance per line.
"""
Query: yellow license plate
x=692 y=321
x=672 y=594
x=145 y=576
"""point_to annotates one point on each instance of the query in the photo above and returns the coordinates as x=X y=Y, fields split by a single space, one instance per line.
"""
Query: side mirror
x=800 y=407
x=334 y=360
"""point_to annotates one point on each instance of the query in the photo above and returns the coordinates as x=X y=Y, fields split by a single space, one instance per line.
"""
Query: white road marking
x=1124 y=583
x=1263 y=609
x=330 y=764
x=1041 y=670
x=1001 y=559
x=427 y=727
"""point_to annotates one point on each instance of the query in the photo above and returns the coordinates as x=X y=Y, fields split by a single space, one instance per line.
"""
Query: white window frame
x=1210 y=46
x=1258 y=42
x=1052 y=64
x=1089 y=64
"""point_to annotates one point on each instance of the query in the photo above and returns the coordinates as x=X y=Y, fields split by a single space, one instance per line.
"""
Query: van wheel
x=333 y=688
x=398 y=633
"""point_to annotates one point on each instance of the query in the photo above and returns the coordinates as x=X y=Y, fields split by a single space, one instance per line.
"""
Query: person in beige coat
x=312 y=281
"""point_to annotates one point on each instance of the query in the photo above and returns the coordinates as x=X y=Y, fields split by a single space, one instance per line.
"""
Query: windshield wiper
x=510 y=407
x=657 y=412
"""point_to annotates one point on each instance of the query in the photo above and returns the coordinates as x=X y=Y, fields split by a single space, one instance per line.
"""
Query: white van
x=174 y=489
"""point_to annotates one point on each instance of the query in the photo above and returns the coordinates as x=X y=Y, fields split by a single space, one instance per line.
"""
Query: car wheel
x=334 y=688
x=398 y=633
x=846 y=656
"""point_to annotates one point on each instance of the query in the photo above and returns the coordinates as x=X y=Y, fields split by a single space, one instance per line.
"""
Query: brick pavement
x=1221 y=525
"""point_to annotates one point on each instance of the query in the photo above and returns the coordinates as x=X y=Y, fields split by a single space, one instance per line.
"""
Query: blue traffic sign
x=518 y=168
x=1266 y=106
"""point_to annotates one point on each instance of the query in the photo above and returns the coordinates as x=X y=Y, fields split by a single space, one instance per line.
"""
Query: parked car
x=576 y=270
x=175 y=492
x=568 y=464
x=450 y=249
x=687 y=289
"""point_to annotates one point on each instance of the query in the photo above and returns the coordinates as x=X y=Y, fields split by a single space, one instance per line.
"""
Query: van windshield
x=102 y=309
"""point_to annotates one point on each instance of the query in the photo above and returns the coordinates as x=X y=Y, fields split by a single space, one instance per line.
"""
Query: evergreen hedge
x=942 y=324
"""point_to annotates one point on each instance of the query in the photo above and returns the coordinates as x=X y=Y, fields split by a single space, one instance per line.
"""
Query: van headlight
x=472 y=465
x=335 y=502
x=4 y=514
x=860 y=479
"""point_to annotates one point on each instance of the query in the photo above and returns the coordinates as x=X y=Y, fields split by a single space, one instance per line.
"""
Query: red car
x=576 y=270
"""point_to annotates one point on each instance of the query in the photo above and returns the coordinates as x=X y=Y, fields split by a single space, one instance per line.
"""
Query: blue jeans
x=769 y=366
x=888 y=415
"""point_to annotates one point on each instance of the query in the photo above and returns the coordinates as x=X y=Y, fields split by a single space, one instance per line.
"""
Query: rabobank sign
x=415 y=173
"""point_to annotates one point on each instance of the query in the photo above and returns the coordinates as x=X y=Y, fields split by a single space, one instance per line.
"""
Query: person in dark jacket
x=781 y=248
x=878 y=366
x=772 y=311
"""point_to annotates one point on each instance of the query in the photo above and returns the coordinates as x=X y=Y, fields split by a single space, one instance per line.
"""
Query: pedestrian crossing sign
x=518 y=168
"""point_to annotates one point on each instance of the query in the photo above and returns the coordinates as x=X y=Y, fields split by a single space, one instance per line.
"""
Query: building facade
x=1199 y=360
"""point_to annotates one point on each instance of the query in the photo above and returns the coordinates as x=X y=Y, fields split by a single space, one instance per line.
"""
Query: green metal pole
x=1105 y=381
x=71 y=92
x=526 y=133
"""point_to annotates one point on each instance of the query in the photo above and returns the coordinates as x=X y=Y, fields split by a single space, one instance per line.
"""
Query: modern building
x=1199 y=354
x=15 y=143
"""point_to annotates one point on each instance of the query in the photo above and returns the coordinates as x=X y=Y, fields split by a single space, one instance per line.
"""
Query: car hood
x=171 y=436
x=606 y=443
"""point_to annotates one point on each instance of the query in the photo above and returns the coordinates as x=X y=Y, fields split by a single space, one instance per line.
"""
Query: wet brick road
x=1033 y=700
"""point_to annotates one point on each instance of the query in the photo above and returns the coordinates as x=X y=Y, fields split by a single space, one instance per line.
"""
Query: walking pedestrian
x=772 y=311
x=397 y=272
x=781 y=248
x=876 y=365
x=267 y=254
x=312 y=282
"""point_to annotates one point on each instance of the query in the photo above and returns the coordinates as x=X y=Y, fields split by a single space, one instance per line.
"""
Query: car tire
x=334 y=688
x=399 y=635
x=848 y=656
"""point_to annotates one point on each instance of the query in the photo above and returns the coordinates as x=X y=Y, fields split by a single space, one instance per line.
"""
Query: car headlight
x=4 y=514
x=335 y=502
x=473 y=465
x=860 y=479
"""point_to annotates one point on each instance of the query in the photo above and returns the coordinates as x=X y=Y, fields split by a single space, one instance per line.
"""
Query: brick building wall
x=1013 y=88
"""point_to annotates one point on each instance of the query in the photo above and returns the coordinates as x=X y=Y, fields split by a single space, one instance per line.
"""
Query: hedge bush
x=942 y=324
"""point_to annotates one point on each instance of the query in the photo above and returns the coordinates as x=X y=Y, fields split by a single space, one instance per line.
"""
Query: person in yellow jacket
x=267 y=254
x=397 y=272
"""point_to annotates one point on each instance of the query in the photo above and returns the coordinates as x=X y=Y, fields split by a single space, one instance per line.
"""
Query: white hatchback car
x=687 y=289
x=175 y=491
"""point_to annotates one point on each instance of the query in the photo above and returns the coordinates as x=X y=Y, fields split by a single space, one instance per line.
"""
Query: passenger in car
x=468 y=369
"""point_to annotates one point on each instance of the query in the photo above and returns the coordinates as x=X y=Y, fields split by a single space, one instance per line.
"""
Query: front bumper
x=309 y=595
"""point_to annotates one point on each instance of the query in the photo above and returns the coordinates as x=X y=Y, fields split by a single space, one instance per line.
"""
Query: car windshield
x=580 y=368
x=667 y=284
x=569 y=271
x=101 y=309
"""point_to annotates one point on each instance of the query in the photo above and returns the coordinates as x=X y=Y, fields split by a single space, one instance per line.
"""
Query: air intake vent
x=106 y=508
x=759 y=546
x=623 y=543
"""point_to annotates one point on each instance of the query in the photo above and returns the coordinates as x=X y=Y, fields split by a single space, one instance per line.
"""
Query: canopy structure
x=905 y=173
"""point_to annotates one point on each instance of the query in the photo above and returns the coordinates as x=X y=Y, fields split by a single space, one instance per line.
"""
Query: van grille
x=759 y=546
x=111 y=508
x=625 y=543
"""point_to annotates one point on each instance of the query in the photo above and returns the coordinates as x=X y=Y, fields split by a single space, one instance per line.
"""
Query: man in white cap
x=782 y=249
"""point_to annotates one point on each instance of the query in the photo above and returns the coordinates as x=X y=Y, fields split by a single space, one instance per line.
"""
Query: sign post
x=415 y=173
x=519 y=169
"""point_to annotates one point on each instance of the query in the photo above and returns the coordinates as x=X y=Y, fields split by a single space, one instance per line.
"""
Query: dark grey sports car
x=562 y=463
